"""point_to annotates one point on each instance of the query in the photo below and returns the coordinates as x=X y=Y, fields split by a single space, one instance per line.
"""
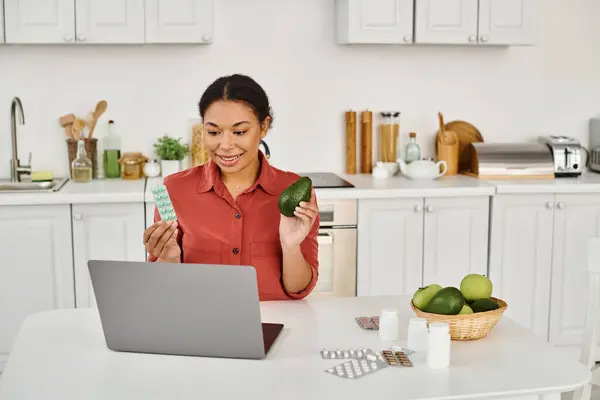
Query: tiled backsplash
x=289 y=47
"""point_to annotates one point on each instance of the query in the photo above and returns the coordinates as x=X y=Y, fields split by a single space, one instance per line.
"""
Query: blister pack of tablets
x=345 y=353
x=163 y=203
x=370 y=323
x=357 y=368
x=396 y=358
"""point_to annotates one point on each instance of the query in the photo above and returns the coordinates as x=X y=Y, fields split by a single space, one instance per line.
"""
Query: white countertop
x=97 y=191
x=586 y=183
x=63 y=355
x=366 y=187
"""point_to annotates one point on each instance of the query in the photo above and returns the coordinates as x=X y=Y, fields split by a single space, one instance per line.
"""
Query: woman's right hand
x=160 y=241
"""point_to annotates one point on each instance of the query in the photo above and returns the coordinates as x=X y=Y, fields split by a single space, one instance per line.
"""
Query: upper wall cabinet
x=108 y=21
x=1 y=22
x=500 y=22
x=179 y=21
x=34 y=21
x=375 y=21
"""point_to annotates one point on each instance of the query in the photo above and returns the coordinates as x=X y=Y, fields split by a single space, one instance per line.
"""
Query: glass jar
x=132 y=165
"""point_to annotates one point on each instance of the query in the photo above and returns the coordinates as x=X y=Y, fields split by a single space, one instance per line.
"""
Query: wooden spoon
x=100 y=109
x=77 y=128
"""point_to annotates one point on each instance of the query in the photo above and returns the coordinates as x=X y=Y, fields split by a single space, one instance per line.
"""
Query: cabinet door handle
x=68 y=38
x=483 y=39
x=560 y=205
x=206 y=38
x=549 y=205
x=81 y=37
x=418 y=209
x=472 y=39
x=77 y=217
x=430 y=208
x=408 y=39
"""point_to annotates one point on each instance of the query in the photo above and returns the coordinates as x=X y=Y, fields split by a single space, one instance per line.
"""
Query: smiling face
x=232 y=135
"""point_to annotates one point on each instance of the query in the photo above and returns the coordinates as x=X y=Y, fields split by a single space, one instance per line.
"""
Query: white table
x=62 y=355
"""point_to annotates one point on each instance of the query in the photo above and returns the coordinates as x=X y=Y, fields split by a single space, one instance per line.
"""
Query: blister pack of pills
x=357 y=368
x=396 y=358
x=163 y=203
x=345 y=353
x=368 y=322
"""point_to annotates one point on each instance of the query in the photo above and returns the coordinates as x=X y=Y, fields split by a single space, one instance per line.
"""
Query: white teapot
x=422 y=169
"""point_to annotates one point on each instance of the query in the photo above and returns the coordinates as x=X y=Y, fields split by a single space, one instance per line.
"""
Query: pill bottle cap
x=439 y=328
x=417 y=322
x=389 y=312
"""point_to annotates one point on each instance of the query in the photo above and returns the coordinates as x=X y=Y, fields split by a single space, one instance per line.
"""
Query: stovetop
x=326 y=180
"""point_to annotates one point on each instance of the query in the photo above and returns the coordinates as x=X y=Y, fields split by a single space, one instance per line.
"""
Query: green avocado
x=293 y=195
x=447 y=301
x=483 y=305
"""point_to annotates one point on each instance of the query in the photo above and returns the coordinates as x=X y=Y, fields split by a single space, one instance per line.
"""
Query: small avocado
x=483 y=305
x=291 y=197
x=447 y=301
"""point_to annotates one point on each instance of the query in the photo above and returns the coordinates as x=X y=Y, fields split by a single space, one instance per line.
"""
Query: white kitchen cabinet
x=375 y=21
x=576 y=219
x=36 y=272
x=538 y=260
x=521 y=257
x=390 y=246
x=179 y=21
x=455 y=239
x=483 y=22
x=34 y=21
x=110 y=21
x=1 y=21
x=508 y=22
x=406 y=243
x=112 y=231
x=446 y=21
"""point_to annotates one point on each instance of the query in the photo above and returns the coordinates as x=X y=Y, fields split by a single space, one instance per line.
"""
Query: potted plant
x=170 y=151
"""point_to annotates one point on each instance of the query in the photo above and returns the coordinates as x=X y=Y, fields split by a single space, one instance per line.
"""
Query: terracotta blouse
x=215 y=229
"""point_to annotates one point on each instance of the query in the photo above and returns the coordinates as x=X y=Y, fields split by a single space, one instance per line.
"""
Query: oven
x=337 y=249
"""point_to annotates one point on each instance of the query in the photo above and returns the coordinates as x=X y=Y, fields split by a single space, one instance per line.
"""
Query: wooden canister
x=396 y=134
x=198 y=150
x=447 y=150
x=351 y=142
x=386 y=143
x=366 y=142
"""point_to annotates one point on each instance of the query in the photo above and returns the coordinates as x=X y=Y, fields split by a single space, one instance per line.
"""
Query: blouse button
x=236 y=250
x=238 y=215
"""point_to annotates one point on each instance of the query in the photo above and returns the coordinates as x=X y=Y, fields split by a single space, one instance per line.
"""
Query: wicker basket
x=467 y=326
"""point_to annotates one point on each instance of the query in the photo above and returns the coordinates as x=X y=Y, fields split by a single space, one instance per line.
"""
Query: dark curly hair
x=240 y=88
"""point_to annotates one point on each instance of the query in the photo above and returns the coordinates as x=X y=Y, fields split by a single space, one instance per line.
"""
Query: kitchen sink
x=6 y=186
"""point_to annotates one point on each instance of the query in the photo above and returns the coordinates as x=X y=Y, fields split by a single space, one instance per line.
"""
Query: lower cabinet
x=409 y=242
x=538 y=260
x=112 y=231
x=36 y=272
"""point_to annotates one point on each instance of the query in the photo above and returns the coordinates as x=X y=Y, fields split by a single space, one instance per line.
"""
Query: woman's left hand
x=293 y=230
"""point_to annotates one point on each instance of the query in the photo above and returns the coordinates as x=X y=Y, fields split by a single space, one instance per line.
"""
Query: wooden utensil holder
x=351 y=142
x=449 y=154
x=90 y=148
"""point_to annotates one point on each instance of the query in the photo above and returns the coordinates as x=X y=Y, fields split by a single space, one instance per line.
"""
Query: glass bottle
x=81 y=167
x=112 y=152
x=413 y=151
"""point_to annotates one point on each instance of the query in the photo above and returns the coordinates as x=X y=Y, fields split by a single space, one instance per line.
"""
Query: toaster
x=566 y=153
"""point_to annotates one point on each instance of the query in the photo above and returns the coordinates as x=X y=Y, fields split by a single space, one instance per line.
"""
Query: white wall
x=511 y=94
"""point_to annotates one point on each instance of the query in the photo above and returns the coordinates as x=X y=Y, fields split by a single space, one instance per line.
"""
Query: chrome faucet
x=16 y=169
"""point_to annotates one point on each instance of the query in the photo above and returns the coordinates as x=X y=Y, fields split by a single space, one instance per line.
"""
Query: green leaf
x=167 y=148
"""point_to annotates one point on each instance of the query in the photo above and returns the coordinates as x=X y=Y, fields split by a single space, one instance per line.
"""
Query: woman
x=227 y=209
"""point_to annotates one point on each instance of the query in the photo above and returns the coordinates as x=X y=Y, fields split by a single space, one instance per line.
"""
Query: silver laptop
x=181 y=309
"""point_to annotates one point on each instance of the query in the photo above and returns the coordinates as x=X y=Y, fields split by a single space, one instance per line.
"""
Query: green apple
x=423 y=295
x=475 y=287
x=466 y=310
